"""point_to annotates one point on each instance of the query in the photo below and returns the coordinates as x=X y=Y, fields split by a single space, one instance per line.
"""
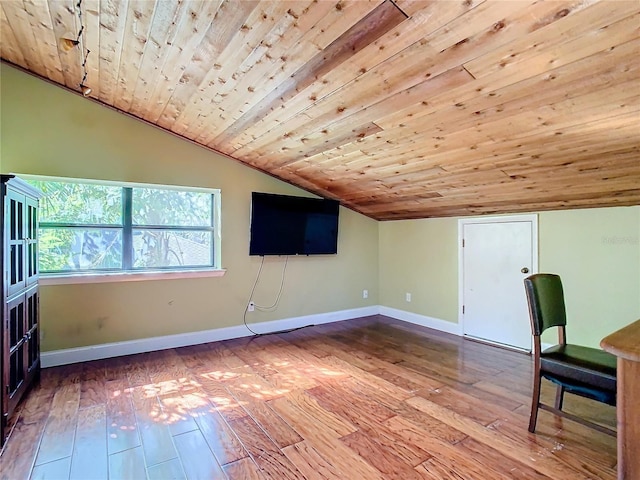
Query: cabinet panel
x=16 y=346
x=15 y=209
x=31 y=241
x=32 y=329
x=22 y=345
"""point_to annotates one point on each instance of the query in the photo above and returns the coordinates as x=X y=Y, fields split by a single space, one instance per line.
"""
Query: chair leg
x=535 y=402
x=559 y=397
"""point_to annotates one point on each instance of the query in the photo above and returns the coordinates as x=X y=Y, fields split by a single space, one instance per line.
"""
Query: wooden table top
x=624 y=343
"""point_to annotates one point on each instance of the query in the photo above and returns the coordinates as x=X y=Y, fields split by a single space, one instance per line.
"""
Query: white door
x=497 y=254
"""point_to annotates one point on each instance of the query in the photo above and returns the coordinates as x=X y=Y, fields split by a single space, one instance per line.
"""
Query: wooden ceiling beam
x=371 y=27
x=396 y=74
x=299 y=145
x=432 y=18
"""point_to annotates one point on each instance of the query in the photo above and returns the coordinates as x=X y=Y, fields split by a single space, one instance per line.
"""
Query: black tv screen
x=287 y=225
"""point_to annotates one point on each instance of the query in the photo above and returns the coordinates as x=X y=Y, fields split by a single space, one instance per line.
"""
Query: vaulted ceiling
x=399 y=109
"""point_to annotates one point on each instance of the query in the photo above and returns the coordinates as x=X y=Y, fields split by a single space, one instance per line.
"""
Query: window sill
x=69 y=279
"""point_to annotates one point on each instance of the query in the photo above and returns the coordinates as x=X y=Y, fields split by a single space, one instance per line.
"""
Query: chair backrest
x=546 y=302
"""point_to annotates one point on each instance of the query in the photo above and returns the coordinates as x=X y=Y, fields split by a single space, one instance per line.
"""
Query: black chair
x=584 y=371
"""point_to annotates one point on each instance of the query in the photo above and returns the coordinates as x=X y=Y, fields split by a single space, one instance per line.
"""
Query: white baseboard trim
x=423 y=320
x=108 y=350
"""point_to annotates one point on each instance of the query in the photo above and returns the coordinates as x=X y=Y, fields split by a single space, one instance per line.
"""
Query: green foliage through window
x=89 y=227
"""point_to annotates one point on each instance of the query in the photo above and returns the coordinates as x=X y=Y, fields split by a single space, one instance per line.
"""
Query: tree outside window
x=105 y=227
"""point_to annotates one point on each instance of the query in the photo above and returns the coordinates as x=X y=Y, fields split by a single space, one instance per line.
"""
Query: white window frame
x=140 y=275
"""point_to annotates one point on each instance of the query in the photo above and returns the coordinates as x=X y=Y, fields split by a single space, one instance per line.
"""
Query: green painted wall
x=420 y=257
x=46 y=130
x=596 y=252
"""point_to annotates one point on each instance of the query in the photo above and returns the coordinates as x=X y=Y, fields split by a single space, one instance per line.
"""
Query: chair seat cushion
x=580 y=366
x=604 y=396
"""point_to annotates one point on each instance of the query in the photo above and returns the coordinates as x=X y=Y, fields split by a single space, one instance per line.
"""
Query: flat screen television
x=288 y=225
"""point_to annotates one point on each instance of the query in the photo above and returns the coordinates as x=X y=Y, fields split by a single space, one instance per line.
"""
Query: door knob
x=524 y=270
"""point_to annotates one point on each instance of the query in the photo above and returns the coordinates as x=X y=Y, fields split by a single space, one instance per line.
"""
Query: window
x=108 y=227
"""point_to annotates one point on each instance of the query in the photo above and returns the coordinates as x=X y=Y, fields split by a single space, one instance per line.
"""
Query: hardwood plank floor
x=369 y=398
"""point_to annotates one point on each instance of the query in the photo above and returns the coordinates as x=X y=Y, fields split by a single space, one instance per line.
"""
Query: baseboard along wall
x=117 y=349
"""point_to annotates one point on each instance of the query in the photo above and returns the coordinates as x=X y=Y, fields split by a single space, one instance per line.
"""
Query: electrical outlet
x=407 y=297
x=251 y=307
x=365 y=293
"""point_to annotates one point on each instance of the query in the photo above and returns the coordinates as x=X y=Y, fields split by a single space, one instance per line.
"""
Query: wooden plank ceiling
x=399 y=109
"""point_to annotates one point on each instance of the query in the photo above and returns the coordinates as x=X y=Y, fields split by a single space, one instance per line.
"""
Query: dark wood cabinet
x=20 y=358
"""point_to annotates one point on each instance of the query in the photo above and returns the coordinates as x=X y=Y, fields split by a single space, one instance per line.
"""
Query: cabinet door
x=15 y=245
x=14 y=352
x=32 y=331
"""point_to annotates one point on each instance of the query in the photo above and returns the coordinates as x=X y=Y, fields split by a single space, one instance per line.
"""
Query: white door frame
x=533 y=218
